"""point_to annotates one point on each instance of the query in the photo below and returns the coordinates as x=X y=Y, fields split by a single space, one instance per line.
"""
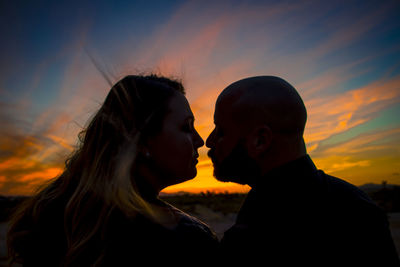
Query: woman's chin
x=184 y=178
x=176 y=180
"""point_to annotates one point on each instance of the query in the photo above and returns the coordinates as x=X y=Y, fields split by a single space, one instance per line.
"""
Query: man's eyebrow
x=190 y=117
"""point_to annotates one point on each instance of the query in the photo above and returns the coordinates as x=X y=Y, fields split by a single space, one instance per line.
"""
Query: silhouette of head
x=259 y=125
x=146 y=126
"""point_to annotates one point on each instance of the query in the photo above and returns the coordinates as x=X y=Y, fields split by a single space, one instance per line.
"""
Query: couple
x=104 y=210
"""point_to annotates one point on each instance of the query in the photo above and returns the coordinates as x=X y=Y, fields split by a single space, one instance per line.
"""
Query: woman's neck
x=147 y=185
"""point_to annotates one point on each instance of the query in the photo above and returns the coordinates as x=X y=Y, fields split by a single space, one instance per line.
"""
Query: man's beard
x=237 y=167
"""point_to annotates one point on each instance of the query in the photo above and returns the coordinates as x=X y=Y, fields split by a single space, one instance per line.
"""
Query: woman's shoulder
x=188 y=223
x=171 y=221
x=140 y=236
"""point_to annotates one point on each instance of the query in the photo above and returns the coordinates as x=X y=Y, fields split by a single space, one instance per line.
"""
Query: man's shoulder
x=344 y=192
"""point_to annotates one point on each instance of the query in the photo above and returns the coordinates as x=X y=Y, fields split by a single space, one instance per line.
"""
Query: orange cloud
x=27 y=159
x=343 y=164
x=361 y=168
x=41 y=175
x=367 y=157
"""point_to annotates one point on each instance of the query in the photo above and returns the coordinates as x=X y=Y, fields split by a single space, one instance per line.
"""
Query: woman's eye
x=187 y=127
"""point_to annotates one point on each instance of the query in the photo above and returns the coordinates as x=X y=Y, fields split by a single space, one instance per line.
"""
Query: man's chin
x=227 y=178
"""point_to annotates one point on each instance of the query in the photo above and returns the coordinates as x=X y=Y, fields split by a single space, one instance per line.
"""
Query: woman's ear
x=144 y=151
x=259 y=140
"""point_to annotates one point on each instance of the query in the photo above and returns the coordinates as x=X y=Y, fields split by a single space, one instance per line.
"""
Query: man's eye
x=218 y=132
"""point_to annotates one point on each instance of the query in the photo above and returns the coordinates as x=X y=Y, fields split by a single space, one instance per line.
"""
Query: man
x=294 y=213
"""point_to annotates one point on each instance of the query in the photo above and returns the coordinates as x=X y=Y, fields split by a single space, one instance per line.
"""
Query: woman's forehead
x=179 y=107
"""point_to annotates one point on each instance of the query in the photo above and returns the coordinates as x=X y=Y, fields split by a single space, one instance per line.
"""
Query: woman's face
x=174 y=151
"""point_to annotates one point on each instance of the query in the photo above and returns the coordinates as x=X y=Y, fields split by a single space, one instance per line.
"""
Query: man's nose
x=210 y=139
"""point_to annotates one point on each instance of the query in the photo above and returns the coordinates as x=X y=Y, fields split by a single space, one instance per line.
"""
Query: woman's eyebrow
x=189 y=117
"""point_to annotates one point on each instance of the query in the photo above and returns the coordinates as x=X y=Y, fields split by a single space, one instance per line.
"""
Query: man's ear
x=259 y=140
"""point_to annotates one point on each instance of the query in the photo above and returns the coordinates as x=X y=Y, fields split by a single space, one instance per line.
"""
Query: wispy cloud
x=27 y=160
x=382 y=140
x=346 y=164
x=311 y=44
x=370 y=156
x=335 y=114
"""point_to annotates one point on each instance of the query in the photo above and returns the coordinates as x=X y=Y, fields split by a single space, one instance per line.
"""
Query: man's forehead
x=230 y=95
x=224 y=113
x=223 y=107
x=232 y=92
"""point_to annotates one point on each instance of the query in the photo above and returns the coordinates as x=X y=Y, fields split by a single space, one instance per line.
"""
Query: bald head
x=266 y=99
x=259 y=125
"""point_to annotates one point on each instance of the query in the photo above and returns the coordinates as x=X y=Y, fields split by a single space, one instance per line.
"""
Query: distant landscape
x=219 y=210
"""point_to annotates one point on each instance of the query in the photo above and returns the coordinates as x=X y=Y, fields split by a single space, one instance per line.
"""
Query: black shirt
x=145 y=242
x=126 y=241
x=297 y=214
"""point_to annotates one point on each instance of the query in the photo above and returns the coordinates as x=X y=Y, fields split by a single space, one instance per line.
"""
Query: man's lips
x=210 y=154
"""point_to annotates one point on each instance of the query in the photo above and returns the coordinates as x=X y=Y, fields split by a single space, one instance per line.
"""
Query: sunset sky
x=342 y=56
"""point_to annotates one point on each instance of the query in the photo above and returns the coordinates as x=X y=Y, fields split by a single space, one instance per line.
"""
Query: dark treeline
x=388 y=198
x=221 y=202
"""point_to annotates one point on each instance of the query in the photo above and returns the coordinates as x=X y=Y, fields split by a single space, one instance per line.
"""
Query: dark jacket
x=136 y=241
x=147 y=243
x=301 y=216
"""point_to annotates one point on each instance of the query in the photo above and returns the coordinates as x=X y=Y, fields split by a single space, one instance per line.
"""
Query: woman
x=104 y=210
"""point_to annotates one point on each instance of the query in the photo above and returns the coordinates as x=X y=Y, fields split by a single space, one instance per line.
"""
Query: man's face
x=227 y=147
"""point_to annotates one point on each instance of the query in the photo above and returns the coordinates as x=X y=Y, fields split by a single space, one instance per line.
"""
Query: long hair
x=98 y=176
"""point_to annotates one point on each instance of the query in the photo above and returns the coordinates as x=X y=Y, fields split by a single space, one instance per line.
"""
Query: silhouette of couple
x=104 y=210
